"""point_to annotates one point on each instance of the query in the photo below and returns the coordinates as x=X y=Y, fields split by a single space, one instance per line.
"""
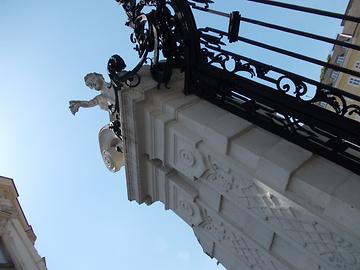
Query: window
x=354 y=81
x=357 y=65
x=340 y=59
x=334 y=75
x=348 y=39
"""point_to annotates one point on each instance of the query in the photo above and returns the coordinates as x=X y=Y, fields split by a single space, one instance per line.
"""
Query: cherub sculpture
x=105 y=100
x=110 y=136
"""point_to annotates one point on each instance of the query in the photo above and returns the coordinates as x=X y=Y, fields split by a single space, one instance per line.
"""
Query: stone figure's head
x=94 y=81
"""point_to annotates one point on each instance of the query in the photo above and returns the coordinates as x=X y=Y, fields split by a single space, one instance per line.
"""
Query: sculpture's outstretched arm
x=76 y=104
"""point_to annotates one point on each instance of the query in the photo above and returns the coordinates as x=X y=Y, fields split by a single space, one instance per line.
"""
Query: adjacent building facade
x=346 y=57
x=17 y=238
x=253 y=199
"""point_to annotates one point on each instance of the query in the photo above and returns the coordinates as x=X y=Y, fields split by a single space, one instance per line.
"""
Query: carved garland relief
x=220 y=177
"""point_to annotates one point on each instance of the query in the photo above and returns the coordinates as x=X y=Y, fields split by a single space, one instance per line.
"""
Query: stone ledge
x=279 y=162
x=244 y=149
x=221 y=130
x=344 y=205
x=330 y=190
x=199 y=116
x=317 y=180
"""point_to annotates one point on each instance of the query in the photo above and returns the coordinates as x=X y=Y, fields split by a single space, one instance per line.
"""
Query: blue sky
x=78 y=209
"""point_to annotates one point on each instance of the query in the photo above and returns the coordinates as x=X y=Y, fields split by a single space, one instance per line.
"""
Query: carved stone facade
x=17 y=238
x=254 y=200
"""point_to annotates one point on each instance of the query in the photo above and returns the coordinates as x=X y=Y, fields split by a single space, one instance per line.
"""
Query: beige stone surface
x=16 y=234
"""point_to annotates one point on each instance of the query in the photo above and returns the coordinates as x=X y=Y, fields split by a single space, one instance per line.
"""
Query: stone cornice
x=129 y=97
x=10 y=205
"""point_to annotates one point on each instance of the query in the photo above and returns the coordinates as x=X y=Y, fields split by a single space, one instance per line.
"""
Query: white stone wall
x=254 y=200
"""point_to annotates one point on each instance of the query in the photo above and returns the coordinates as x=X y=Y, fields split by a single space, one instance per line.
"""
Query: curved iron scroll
x=166 y=29
x=282 y=102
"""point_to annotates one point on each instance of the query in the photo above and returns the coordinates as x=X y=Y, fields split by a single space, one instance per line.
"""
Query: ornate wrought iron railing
x=274 y=98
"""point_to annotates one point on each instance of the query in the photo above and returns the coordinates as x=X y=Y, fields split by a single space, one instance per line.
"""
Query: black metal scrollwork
x=208 y=40
x=162 y=28
x=340 y=102
x=158 y=31
x=206 y=3
x=285 y=103
x=224 y=60
x=286 y=83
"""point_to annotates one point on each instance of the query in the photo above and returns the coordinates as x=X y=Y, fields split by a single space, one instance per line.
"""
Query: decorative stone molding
x=288 y=220
x=183 y=201
x=185 y=156
x=4 y=219
x=209 y=166
x=6 y=206
x=133 y=146
x=236 y=242
x=221 y=177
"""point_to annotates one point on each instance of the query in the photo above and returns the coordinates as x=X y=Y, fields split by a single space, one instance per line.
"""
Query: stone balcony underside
x=254 y=200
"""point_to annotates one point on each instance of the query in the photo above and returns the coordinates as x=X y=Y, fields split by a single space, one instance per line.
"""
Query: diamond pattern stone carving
x=244 y=248
x=296 y=224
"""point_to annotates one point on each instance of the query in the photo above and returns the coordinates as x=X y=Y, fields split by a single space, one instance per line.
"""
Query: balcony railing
x=273 y=97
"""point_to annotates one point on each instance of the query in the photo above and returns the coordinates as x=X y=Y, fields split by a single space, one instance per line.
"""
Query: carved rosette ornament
x=186 y=208
x=187 y=157
x=189 y=210
x=183 y=200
